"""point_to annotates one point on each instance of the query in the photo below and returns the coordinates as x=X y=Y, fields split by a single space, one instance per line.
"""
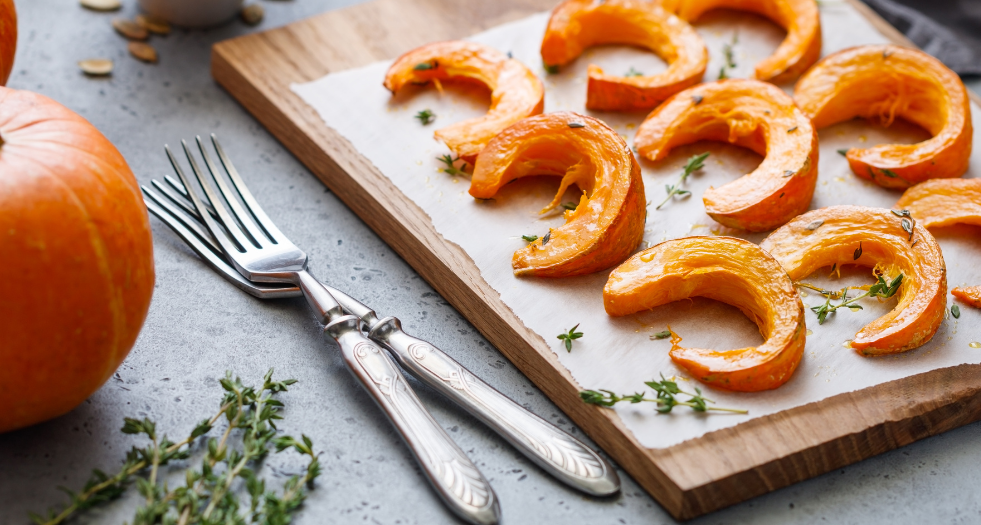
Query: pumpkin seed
x=143 y=51
x=153 y=25
x=101 y=5
x=252 y=14
x=129 y=29
x=96 y=66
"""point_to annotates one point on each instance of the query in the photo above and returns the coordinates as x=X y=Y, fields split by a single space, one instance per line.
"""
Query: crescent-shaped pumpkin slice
x=884 y=82
x=800 y=18
x=871 y=237
x=516 y=92
x=578 y=24
x=730 y=270
x=608 y=223
x=944 y=202
x=752 y=114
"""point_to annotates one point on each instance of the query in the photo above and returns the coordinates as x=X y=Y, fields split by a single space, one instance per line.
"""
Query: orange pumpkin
x=884 y=82
x=730 y=270
x=608 y=223
x=8 y=39
x=578 y=24
x=798 y=51
x=970 y=295
x=944 y=202
x=840 y=235
x=77 y=257
x=516 y=92
x=754 y=115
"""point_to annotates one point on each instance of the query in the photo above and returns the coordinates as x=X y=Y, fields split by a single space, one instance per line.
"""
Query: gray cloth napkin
x=947 y=29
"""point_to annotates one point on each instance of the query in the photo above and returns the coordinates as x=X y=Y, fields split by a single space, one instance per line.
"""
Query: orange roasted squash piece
x=516 y=92
x=754 y=115
x=730 y=270
x=969 y=294
x=884 y=82
x=608 y=223
x=944 y=202
x=578 y=24
x=800 y=18
x=871 y=237
x=8 y=39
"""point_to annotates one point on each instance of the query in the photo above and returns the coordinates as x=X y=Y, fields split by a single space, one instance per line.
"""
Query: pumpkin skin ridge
x=726 y=269
x=921 y=301
x=754 y=115
x=970 y=295
x=881 y=82
x=105 y=232
x=8 y=39
x=516 y=92
x=608 y=223
x=579 y=24
x=799 y=50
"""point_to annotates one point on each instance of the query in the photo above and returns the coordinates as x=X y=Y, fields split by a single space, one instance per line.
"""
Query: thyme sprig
x=908 y=222
x=530 y=238
x=451 y=168
x=695 y=163
x=569 y=337
x=207 y=496
x=883 y=289
x=730 y=59
x=633 y=73
x=426 y=116
x=666 y=398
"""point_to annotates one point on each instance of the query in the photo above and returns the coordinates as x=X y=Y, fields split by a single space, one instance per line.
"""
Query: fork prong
x=225 y=218
x=243 y=191
x=226 y=242
x=190 y=223
x=179 y=188
x=216 y=262
x=184 y=204
x=243 y=218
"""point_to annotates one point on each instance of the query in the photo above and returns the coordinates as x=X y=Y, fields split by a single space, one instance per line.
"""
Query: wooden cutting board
x=690 y=479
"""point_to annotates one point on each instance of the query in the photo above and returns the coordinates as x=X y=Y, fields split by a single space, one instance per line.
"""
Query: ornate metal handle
x=557 y=452
x=457 y=481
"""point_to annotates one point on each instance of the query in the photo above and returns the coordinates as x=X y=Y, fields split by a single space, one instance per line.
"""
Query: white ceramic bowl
x=193 y=13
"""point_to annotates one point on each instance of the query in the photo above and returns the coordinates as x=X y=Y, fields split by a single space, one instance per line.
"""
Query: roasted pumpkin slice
x=730 y=270
x=800 y=18
x=884 y=82
x=970 y=295
x=516 y=92
x=608 y=223
x=840 y=235
x=578 y=24
x=754 y=115
x=943 y=202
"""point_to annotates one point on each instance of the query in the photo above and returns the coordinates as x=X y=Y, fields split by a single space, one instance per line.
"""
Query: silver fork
x=554 y=450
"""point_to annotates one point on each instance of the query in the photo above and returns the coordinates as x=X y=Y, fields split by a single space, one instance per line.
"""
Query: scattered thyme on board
x=883 y=289
x=666 y=399
x=569 y=337
x=426 y=116
x=695 y=163
x=209 y=495
x=450 y=167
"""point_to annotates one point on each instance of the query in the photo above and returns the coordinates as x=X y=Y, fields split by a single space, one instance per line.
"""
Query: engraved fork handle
x=457 y=481
x=554 y=450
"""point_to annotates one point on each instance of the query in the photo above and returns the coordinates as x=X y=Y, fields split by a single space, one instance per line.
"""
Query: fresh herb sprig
x=695 y=163
x=569 y=337
x=666 y=398
x=529 y=238
x=426 y=116
x=633 y=73
x=451 y=168
x=883 y=289
x=208 y=495
x=729 y=55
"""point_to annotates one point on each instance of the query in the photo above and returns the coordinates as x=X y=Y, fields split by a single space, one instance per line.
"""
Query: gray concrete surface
x=199 y=326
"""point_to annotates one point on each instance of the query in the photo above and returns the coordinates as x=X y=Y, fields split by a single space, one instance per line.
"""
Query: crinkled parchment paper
x=618 y=354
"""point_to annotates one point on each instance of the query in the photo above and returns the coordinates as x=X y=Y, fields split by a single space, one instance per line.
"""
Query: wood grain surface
x=690 y=479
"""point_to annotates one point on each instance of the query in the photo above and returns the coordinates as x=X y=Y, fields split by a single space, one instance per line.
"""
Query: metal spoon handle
x=457 y=481
x=554 y=450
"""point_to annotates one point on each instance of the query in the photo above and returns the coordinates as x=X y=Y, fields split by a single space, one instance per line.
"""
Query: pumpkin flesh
x=726 y=269
x=969 y=294
x=884 y=82
x=608 y=223
x=516 y=92
x=578 y=24
x=800 y=18
x=833 y=236
x=944 y=202
x=752 y=114
x=77 y=238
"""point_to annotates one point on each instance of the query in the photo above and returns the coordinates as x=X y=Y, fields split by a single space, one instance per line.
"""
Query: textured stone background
x=199 y=326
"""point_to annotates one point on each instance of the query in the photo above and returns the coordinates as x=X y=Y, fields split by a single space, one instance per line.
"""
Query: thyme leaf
x=695 y=163
x=666 y=397
x=450 y=168
x=569 y=337
x=426 y=116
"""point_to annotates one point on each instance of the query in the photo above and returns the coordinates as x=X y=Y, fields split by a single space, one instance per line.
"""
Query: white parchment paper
x=618 y=353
